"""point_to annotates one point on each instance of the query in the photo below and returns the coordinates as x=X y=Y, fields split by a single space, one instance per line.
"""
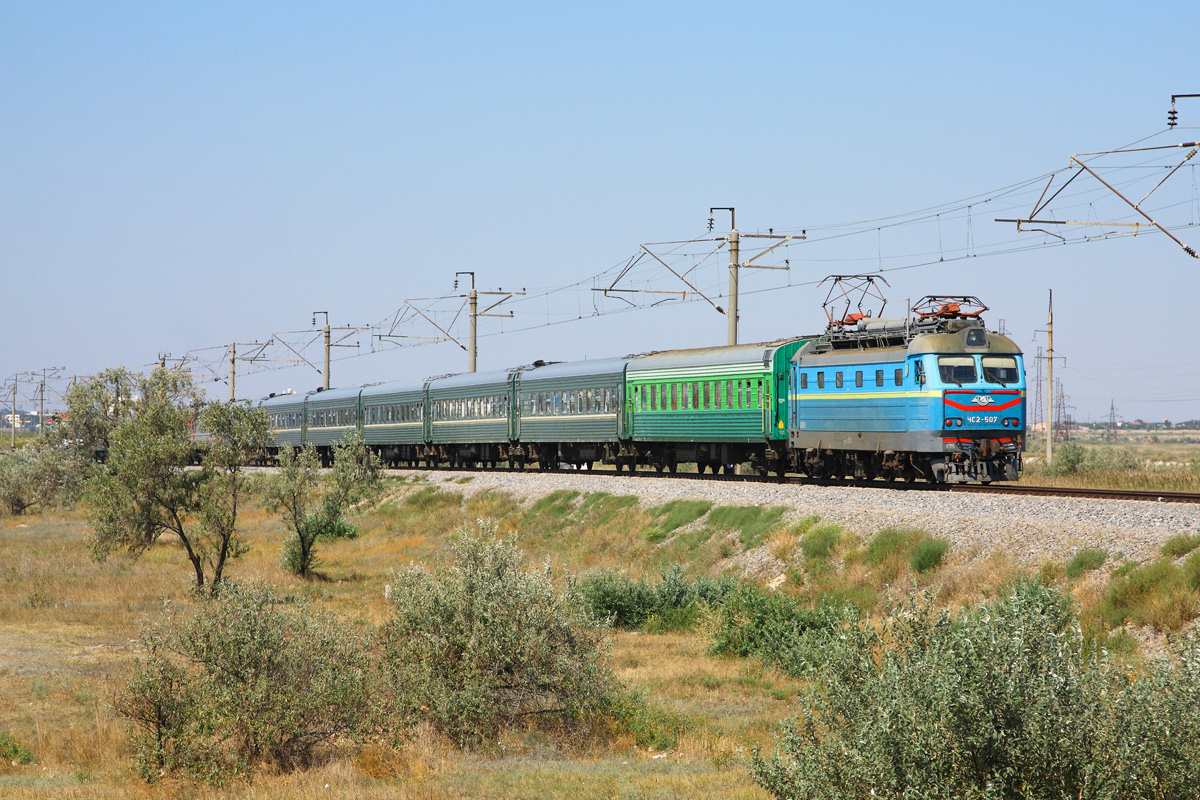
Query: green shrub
x=1068 y=459
x=36 y=477
x=1072 y=458
x=622 y=601
x=891 y=544
x=1002 y=701
x=13 y=751
x=1086 y=560
x=928 y=554
x=674 y=602
x=650 y=725
x=775 y=627
x=482 y=644
x=1180 y=545
x=244 y=681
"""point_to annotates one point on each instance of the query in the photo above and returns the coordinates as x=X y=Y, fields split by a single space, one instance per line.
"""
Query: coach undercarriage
x=982 y=461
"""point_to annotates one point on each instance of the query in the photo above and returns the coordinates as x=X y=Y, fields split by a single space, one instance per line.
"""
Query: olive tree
x=95 y=407
x=314 y=509
x=148 y=487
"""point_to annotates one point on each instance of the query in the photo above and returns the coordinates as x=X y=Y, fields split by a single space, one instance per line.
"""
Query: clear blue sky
x=178 y=178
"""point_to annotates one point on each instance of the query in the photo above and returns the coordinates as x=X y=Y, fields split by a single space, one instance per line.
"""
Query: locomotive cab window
x=1000 y=369
x=956 y=369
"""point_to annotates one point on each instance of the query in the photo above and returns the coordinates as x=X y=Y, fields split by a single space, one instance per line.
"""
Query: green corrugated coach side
x=331 y=415
x=394 y=414
x=470 y=409
x=735 y=394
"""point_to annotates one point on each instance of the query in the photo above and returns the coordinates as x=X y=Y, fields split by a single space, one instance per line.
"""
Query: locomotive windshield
x=957 y=369
x=1000 y=369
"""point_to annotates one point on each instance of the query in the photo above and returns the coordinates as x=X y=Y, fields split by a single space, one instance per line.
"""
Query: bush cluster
x=778 y=628
x=671 y=603
x=481 y=644
x=40 y=476
x=1071 y=458
x=248 y=679
x=1003 y=701
x=244 y=681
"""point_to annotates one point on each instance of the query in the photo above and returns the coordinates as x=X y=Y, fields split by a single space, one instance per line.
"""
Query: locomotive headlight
x=1004 y=422
x=958 y=422
x=949 y=422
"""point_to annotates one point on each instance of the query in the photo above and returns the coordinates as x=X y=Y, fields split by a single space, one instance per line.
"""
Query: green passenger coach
x=716 y=406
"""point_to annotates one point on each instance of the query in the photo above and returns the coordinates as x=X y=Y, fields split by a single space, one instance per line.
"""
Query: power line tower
x=1062 y=414
x=48 y=373
x=1110 y=433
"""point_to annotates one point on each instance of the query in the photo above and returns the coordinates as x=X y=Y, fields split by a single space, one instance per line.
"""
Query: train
x=932 y=396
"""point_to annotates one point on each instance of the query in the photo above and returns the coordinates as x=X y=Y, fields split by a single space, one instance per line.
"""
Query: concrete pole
x=13 y=416
x=42 y=404
x=474 y=300
x=732 y=314
x=1050 y=382
x=327 y=347
x=232 y=371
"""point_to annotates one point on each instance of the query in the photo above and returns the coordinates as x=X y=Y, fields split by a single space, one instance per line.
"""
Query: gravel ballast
x=1031 y=530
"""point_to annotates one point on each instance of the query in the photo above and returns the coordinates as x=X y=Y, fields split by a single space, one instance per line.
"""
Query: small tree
x=147 y=488
x=482 y=643
x=314 y=512
x=244 y=680
x=95 y=407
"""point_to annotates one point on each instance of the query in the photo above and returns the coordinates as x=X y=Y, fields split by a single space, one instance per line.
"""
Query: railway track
x=797 y=480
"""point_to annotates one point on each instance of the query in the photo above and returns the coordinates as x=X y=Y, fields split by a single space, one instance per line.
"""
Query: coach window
x=858 y=379
x=838 y=380
x=879 y=377
x=820 y=380
x=707 y=395
x=803 y=380
x=899 y=377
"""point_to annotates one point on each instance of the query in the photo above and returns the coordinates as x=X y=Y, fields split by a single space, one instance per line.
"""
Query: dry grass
x=69 y=628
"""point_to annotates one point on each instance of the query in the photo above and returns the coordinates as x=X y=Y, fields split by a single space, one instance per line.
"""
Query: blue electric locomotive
x=936 y=396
